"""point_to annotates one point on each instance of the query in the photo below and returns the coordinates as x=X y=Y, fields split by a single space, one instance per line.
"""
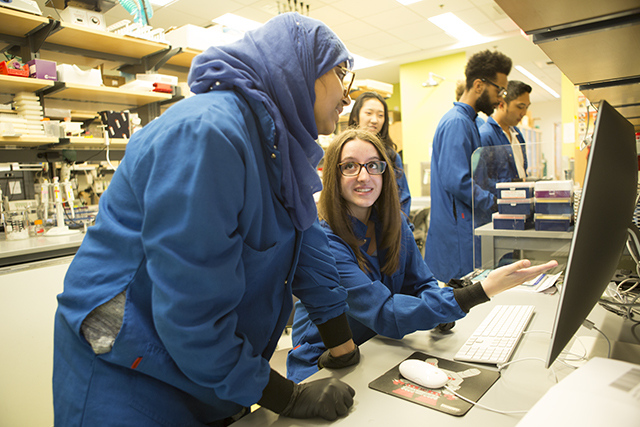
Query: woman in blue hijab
x=175 y=301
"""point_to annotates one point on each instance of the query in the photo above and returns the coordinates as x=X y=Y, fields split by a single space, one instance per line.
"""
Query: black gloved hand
x=326 y=360
x=444 y=327
x=328 y=398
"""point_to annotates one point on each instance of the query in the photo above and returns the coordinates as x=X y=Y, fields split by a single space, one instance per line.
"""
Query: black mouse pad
x=467 y=380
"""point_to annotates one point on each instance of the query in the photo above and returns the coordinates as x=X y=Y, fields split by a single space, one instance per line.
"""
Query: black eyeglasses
x=347 y=79
x=374 y=167
x=501 y=91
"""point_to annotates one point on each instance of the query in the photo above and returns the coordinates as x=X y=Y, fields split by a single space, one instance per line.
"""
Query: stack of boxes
x=28 y=106
x=545 y=205
x=515 y=206
x=554 y=205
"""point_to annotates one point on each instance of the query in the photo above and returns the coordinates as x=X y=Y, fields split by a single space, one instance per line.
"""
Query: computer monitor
x=600 y=232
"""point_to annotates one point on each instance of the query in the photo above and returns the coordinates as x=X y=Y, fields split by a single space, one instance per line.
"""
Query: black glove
x=444 y=327
x=326 y=360
x=328 y=398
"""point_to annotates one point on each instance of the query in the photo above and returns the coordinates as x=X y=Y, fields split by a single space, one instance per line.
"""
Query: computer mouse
x=423 y=373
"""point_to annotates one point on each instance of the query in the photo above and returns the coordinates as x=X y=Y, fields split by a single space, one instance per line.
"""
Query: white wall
x=545 y=115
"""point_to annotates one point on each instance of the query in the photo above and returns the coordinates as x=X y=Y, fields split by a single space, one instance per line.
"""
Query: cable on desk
x=482 y=406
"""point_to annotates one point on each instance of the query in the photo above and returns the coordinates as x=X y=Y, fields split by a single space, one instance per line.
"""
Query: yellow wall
x=570 y=149
x=422 y=108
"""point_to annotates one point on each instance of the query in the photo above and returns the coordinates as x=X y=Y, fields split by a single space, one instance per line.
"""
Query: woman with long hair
x=370 y=112
x=391 y=291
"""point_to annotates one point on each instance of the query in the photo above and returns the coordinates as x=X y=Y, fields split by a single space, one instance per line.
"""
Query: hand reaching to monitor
x=512 y=275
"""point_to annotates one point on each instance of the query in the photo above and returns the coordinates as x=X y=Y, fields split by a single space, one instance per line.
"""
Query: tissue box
x=41 y=69
x=117 y=123
x=72 y=74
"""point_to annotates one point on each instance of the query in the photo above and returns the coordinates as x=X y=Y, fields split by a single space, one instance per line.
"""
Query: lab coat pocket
x=156 y=392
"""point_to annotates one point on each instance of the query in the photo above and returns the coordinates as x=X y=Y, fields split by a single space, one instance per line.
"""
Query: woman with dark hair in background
x=370 y=112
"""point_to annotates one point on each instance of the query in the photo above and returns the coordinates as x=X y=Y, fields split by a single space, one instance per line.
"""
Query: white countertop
x=35 y=245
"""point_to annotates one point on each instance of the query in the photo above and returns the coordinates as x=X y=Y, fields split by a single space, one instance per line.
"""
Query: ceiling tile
x=393 y=18
x=434 y=41
x=429 y=8
x=353 y=30
x=375 y=40
x=330 y=15
x=363 y=8
x=395 y=49
x=419 y=30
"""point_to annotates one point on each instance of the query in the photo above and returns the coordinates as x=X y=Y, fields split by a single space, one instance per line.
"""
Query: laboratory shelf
x=78 y=37
x=13 y=84
x=104 y=97
x=15 y=23
x=184 y=58
x=81 y=143
x=26 y=141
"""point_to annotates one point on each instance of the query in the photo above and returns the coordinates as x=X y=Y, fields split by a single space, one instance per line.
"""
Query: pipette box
x=515 y=206
x=544 y=222
x=511 y=222
x=515 y=190
x=554 y=189
x=553 y=206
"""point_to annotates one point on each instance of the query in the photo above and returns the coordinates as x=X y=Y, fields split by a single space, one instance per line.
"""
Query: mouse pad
x=467 y=380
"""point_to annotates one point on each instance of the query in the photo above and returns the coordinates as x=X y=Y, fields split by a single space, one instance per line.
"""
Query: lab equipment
x=60 y=229
x=497 y=336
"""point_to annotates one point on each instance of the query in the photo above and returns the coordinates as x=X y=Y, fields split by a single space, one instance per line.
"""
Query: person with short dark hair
x=449 y=248
x=370 y=111
x=508 y=160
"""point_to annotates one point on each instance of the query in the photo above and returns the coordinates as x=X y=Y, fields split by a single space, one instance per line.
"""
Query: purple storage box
x=41 y=69
x=554 y=189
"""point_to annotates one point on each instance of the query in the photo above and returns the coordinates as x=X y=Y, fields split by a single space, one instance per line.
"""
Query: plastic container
x=515 y=190
x=553 y=206
x=511 y=222
x=39 y=228
x=515 y=206
x=545 y=222
x=554 y=189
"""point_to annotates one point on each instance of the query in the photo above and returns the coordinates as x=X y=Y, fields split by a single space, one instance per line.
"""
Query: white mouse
x=423 y=373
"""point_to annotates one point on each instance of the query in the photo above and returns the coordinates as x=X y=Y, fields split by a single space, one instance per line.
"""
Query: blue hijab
x=278 y=65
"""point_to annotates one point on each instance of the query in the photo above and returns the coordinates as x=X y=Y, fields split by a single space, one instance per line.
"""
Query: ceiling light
x=406 y=2
x=236 y=22
x=361 y=62
x=537 y=81
x=455 y=27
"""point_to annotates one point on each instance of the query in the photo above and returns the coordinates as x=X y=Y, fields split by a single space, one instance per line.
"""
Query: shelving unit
x=31 y=34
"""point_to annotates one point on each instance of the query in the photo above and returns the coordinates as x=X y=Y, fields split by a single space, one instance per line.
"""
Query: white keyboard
x=497 y=336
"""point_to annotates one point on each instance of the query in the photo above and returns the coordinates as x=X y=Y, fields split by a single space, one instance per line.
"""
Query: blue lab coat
x=403 y=188
x=392 y=306
x=496 y=164
x=449 y=248
x=207 y=255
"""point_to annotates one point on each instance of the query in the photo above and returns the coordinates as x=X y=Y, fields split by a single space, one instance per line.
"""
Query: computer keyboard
x=497 y=336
